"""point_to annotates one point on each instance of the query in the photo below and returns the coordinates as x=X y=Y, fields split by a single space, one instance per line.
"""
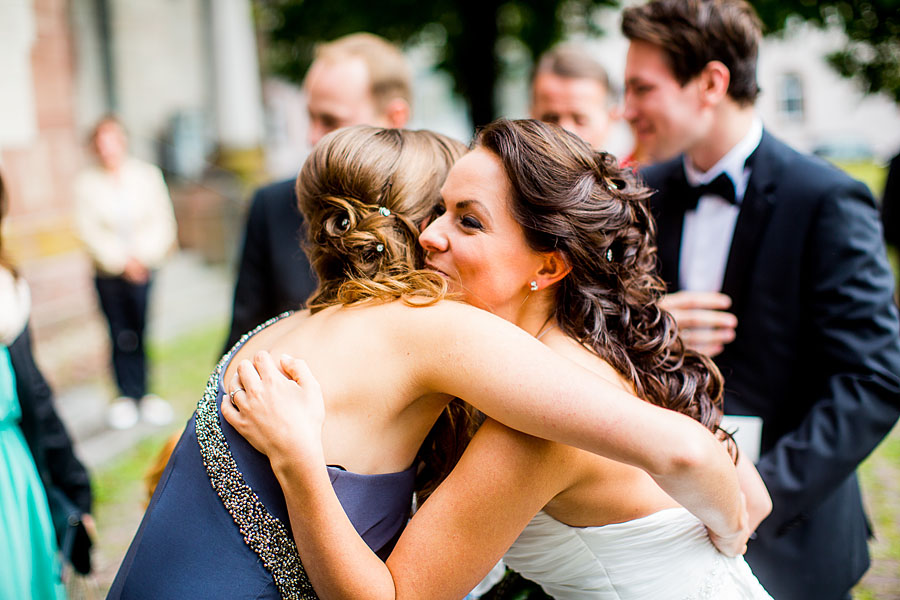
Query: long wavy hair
x=581 y=203
x=364 y=192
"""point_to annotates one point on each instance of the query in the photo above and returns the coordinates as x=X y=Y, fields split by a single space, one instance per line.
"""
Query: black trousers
x=125 y=306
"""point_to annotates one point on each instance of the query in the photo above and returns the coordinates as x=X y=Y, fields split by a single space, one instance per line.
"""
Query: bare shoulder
x=459 y=320
x=445 y=321
x=585 y=357
x=441 y=311
x=267 y=338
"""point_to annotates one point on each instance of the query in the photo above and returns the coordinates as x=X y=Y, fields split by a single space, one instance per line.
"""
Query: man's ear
x=553 y=268
x=713 y=81
x=397 y=112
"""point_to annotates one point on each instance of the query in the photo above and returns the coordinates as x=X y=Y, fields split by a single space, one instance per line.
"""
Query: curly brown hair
x=364 y=192
x=579 y=202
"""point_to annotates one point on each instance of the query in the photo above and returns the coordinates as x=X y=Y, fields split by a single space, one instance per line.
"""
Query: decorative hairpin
x=385 y=212
x=345 y=223
x=380 y=247
x=609 y=255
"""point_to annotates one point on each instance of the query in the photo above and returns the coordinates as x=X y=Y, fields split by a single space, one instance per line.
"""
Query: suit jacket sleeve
x=853 y=329
x=890 y=203
x=45 y=433
x=251 y=292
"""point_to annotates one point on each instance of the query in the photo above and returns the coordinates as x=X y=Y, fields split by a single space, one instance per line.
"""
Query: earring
x=533 y=286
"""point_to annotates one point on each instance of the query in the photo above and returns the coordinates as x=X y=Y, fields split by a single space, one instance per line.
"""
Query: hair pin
x=609 y=255
x=380 y=247
x=385 y=212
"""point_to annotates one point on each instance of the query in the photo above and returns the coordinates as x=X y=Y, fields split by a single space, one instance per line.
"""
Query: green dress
x=29 y=562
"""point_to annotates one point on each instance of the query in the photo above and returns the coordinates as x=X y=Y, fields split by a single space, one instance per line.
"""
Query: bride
x=531 y=207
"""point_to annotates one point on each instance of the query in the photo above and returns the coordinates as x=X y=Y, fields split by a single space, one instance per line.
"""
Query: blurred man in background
x=359 y=79
x=571 y=89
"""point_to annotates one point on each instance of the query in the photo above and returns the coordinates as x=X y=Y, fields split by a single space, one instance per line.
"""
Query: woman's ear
x=553 y=268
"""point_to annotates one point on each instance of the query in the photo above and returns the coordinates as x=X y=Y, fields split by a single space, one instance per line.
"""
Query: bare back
x=377 y=412
x=594 y=490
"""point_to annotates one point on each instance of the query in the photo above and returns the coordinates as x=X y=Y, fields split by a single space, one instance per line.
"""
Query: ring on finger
x=232 y=395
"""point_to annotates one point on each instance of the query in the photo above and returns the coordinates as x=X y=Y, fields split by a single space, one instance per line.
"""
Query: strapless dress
x=664 y=556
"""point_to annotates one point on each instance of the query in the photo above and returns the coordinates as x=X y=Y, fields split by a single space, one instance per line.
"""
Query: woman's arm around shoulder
x=515 y=379
x=504 y=478
x=759 y=503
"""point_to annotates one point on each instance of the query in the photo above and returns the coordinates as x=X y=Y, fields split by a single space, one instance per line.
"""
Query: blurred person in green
x=42 y=483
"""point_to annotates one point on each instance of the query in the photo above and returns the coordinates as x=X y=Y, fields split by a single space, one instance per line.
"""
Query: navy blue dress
x=217 y=525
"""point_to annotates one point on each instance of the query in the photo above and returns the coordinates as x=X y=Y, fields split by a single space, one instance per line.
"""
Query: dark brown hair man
x=776 y=265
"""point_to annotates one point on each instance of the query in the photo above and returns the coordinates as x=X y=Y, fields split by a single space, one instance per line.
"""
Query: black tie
x=721 y=186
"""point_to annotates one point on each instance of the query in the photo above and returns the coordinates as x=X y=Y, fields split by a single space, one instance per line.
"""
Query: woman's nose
x=432 y=237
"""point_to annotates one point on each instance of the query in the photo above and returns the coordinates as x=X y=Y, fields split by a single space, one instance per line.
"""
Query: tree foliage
x=467 y=33
x=871 y=55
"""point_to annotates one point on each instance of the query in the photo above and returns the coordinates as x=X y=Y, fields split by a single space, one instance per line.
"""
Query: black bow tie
x=721 y=186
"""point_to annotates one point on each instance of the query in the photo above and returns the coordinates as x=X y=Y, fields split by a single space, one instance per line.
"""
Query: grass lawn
x=880 y=476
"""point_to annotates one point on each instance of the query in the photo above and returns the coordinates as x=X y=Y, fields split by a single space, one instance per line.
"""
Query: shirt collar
x=732 y=164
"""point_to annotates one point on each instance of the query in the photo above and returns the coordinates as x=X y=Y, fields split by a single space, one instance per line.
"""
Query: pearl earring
x=533 y=286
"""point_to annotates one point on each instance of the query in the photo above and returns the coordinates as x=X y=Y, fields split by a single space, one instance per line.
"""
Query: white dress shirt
x=708 y=229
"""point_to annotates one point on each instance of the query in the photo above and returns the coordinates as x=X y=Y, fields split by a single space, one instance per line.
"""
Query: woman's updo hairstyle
x=364 y=191
x=572 y=199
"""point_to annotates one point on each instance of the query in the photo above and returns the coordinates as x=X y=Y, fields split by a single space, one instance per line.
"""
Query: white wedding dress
x=666 y=555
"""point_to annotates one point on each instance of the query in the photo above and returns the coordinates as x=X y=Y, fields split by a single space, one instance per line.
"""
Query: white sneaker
x=155 y=410
x=122 y=413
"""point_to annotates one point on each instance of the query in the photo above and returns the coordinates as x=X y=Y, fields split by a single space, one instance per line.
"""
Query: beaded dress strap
x=262 y=532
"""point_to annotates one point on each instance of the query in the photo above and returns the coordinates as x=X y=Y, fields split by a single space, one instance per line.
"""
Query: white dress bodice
x=666 y=555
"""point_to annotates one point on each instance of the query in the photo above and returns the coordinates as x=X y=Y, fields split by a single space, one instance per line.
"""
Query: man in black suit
x=792 y=247
x=354 y=80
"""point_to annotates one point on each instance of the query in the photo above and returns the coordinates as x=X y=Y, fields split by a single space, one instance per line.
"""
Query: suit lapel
x=669 y=213
x=756 y=209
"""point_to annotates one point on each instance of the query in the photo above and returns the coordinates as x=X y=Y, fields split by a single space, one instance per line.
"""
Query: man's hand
x=702 y=321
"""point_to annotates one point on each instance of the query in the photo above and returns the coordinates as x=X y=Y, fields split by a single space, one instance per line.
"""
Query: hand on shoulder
x=280 y=411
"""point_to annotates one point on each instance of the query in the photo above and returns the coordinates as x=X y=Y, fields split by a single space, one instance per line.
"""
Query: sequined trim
x=264 y=533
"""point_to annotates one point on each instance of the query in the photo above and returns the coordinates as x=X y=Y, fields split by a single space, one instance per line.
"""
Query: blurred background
x=210 y=91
